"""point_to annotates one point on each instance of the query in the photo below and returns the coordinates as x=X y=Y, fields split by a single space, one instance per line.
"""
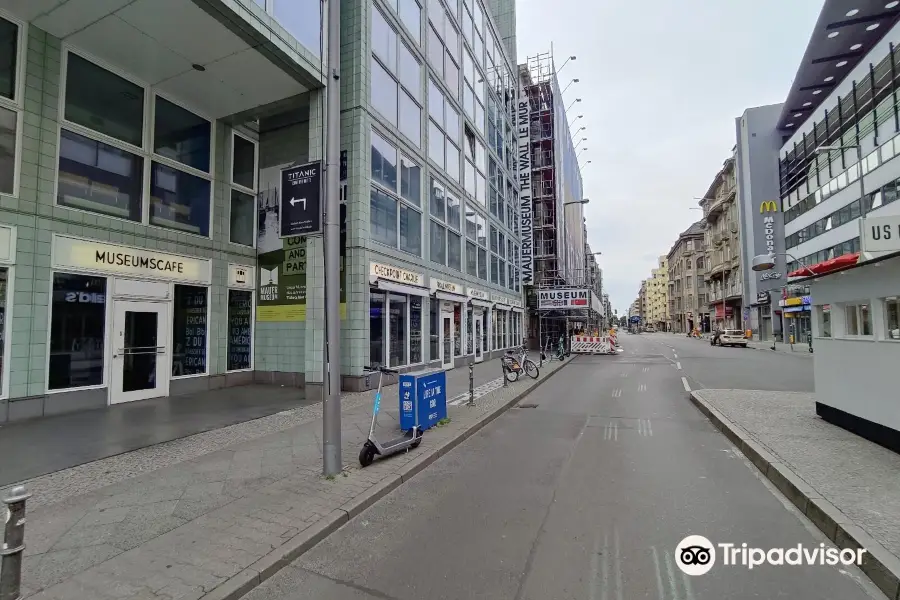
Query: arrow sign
x=300 y=206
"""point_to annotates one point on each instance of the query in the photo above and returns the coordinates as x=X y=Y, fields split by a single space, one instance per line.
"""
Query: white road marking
x=646 y=369
x=678 y=366
x=642 y=387
x=659 y=583
x=625 y=374
x=618 y=566
x=684 y=382
x=644 y=428
x=675 y=355
x=617 y=393
x=480 y=391
x=673 y=580
x=604 y=577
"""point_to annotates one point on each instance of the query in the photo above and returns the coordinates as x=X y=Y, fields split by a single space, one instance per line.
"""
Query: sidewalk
x=848 y=486
x=211 y=515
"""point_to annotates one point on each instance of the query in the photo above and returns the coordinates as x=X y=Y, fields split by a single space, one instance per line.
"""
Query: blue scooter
x=410 y=439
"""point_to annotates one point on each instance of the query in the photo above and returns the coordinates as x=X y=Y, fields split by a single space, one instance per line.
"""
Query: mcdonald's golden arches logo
x=768 y=206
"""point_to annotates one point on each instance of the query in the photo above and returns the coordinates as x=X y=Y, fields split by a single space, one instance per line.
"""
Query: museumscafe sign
x=563 y=299
x=74 y=253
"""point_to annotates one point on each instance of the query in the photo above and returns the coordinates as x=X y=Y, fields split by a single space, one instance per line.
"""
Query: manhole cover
x=527 y=406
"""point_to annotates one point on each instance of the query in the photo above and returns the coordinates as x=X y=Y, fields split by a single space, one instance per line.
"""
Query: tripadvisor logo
x=696 y=555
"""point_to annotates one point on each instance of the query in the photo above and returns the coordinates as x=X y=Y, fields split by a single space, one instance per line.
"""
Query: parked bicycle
x=513 y=365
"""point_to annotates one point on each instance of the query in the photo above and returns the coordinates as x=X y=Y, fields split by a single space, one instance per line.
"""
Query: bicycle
x=513 y=365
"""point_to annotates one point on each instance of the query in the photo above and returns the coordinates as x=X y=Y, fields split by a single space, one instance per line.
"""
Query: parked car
x=730 y=337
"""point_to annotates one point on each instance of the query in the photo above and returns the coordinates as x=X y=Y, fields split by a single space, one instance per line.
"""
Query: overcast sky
x=661 y=83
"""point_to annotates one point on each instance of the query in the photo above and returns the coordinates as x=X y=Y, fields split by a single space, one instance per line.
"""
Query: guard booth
x=572 y=314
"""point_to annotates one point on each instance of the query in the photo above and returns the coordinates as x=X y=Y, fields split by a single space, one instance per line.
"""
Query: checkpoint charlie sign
x=563 y=299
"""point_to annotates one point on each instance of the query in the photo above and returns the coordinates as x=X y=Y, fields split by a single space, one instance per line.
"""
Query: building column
x=314 y=356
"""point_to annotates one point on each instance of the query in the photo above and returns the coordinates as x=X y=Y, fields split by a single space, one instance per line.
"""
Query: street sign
x=300 y=209
x=564 y=299
x=635 y=319
x=881 y=234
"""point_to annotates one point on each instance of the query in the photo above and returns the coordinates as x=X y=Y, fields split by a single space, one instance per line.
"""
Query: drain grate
x=527 y=406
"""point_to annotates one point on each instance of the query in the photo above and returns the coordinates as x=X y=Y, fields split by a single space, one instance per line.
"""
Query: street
x=584 y=492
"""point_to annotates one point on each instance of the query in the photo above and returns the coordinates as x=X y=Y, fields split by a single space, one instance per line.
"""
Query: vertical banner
x=526 y=224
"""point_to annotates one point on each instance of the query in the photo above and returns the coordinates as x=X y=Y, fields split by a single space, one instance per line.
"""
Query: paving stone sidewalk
x=211 y=521
x=849 y=487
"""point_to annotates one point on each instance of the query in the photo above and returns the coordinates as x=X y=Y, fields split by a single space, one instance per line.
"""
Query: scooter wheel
x=366 y=455
x=418 y=441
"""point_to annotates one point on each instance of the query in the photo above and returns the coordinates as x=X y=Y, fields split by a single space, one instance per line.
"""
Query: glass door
x=140 y=351
x=479 y=328
x=447 y=340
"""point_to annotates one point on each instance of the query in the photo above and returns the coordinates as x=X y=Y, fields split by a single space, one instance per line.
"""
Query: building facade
x=838 y=160
x=761 y=221
x=723 y=250
x=658 y=293
x=140 y=201
x=687 y=291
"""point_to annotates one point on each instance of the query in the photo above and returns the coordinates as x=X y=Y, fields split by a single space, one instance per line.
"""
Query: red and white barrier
x=588 y=344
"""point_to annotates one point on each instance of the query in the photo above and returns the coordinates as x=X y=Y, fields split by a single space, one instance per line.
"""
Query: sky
x=661 y=84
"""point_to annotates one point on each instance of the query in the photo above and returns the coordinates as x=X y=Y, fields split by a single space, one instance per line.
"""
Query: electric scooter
x=410 y=439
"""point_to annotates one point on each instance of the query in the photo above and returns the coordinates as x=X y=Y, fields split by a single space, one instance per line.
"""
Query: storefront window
x=240 y=332
x=484 y=332
x=457 y=330
x=495 y=327
x=470 y=318
x=892 y=318
x=397 y=315
x=376 y=329
x=189 y=331
x=77 y=331
x=415 y=330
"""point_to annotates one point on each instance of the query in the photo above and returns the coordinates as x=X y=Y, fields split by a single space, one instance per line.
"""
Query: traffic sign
x=300 y=210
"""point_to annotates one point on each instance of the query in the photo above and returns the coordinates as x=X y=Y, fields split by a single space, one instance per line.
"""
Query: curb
x=251 y=577
x=879 y=564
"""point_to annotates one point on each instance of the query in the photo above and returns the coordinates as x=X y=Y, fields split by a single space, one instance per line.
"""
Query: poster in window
x=189 y=331
x=239 y=329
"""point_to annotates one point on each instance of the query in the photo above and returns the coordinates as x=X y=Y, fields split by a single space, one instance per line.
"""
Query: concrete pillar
x=315 y=267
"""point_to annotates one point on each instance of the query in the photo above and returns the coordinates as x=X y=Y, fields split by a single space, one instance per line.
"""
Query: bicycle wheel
x=531 y=369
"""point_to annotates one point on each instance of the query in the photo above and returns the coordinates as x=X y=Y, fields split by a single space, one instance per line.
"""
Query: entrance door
x=478 y=318
x=140 y=351
x=446 y=341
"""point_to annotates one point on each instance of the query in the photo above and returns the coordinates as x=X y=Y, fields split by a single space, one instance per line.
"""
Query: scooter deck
x=403 y=440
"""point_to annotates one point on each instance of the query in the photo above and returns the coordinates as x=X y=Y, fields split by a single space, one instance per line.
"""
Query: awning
x=518 y=309
x=826 y=266
x=451 y=297
x=390 y=286
x=481 y=303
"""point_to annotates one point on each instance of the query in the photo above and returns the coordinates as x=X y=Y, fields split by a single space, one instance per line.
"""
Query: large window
x=473 y=92
x=476 y=243
x=395 y=329
x=444 y=127
x=104 y=146
x=302 y=20
x=857 y=320
x=10 y=105
x=240 y=330
x=474 y=178
x=396 y=76
x=443 y=45
x=244 y=177
x=395 y=218
x=77 y=331
x=445 y=239
x=189 y=329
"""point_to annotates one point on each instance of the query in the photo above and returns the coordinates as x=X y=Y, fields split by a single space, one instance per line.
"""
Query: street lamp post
x=573 y=104
x=765 y=262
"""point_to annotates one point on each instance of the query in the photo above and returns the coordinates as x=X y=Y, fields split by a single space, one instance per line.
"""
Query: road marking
x=646 y=369
x=617 y=393
x=675 y=355
x=678 y=366
x=480 y=391
x=642 y=387
x=618 y=565
x=625 y=374
x=644 y=428
x=673 y=581
x=611 y=432
x=684 y=382
x=659 y=583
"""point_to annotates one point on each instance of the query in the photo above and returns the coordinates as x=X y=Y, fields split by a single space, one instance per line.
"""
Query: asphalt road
x=714 y=367
x=584 y=496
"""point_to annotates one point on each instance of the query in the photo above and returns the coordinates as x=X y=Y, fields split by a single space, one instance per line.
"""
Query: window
x=396 y=76
x=411 y=15
x=242 y=211
x=445 y=239
x=10 y=105
x=103 y=150
x=77 y=331
x=301 y=19
x=857 y=319
x=394 y=216
x=395 y=329
x=892 y=318
x=377 y=311
x=443 y=131
x=443 y=46
x=189 y=330
x=240 y=330
x=824 y=314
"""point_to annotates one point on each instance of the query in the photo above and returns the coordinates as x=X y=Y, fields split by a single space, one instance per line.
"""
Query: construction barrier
x=587 y=344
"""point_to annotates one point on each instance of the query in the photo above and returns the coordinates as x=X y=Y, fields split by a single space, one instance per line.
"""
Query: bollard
x=13 y=544
x=471 y=384
x=504 y=369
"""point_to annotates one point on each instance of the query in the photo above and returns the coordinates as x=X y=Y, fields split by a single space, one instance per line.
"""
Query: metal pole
x=862 y=188
x=13 y=544
x=472 y=383
x=331 y=422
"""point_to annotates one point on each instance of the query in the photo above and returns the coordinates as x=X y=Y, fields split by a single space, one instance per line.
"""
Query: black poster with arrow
x=301 y=200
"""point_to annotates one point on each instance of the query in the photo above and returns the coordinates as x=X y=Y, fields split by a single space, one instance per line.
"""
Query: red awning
x=827 y=266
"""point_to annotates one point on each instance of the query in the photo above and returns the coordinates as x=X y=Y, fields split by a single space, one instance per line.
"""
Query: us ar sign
x=301 y=206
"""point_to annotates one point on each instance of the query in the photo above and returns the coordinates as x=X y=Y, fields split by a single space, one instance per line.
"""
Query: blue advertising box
x=428 y=391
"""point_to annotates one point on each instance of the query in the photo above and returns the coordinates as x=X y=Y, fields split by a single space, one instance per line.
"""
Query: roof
x=694 y=230
x=727 y=167
x=844 y=33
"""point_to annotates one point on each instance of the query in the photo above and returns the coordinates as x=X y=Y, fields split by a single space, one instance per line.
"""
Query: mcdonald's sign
x=768 y=206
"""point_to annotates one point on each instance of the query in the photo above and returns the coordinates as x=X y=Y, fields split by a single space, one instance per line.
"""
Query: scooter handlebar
x=384 y=370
